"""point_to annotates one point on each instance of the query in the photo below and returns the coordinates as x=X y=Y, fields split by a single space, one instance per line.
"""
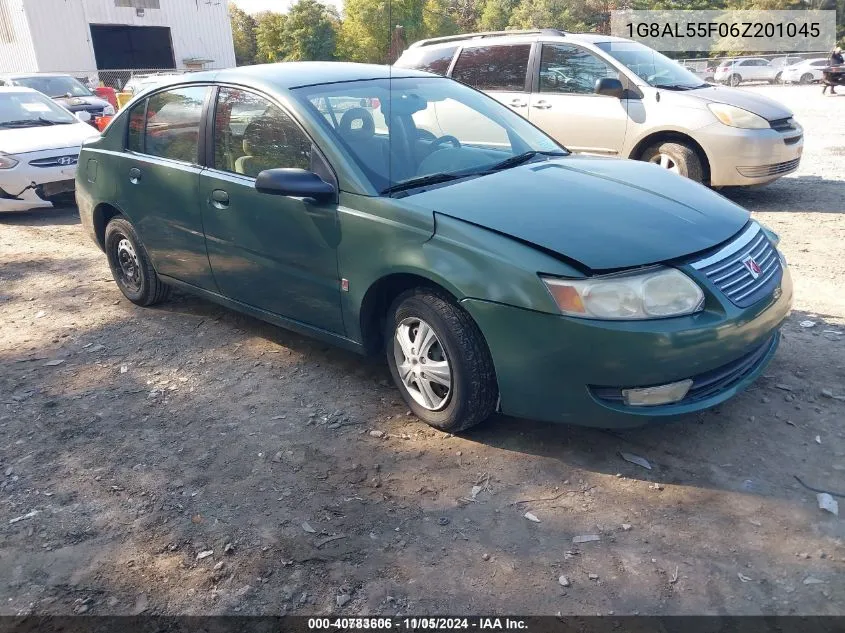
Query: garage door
x=124 y=47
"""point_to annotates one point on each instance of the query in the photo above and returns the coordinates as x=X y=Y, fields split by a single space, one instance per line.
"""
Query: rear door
x=499 y=70
x=157 y=181
x=565 y=106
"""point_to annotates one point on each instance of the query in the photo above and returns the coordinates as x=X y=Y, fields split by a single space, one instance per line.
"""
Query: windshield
x=404 y=130
x=61 y=86
x=30 y=109
x=656 y=69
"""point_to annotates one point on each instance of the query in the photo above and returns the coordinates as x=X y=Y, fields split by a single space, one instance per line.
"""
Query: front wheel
x=806 y=78
x=677 y=158
x=735 y=79
x=130 y=265
x=439 y=361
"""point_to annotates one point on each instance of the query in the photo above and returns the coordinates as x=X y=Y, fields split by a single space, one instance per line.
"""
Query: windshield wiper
x=519 y=159
x=680 y=86
x=28 y=122
x=431 y=179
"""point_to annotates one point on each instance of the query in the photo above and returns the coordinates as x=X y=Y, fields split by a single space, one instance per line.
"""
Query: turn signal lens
x=6 y=161
x=651 y=396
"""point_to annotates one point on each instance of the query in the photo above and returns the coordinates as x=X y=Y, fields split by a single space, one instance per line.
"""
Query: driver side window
x=571 y=70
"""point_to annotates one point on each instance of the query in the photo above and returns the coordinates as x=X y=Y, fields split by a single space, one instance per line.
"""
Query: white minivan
x=615 y=97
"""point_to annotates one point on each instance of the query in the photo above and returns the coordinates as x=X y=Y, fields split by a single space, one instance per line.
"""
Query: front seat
x=265 y=146
x=357 y=128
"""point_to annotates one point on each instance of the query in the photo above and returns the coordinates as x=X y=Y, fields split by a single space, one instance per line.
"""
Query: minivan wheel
x=677 y=158
x=735 y=79
x=439 y=360
x=130 y=265
x=806 y=78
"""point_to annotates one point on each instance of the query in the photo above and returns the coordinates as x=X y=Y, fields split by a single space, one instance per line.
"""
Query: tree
x=570 y=15
x=243 y=35
x=496 y=14
x=365 y=33
x=270 y=36
x=310 y=31
x=437 y=19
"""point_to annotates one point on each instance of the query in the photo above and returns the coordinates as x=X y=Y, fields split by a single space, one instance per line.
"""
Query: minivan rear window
x=430 y=60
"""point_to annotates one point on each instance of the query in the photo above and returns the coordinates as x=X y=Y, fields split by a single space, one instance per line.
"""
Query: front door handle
x=517 y=103
x=219 y=199
x=541 y=105
x=134 y=175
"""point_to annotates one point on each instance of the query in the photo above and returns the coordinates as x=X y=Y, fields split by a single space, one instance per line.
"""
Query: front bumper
x=548 y=366
x=17 y=192
x=740 y=157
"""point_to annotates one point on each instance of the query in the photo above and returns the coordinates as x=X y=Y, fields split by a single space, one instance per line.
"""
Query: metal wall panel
x=17 y=53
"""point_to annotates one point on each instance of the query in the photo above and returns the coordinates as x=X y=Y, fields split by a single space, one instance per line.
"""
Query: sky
x=254 y=6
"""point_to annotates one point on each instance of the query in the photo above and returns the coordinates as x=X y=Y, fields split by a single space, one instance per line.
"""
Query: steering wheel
x=447 y=138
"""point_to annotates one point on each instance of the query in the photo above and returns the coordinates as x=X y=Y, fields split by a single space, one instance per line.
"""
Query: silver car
x=614 y=97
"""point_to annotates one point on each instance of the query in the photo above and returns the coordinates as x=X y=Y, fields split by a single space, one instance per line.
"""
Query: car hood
x=36 y=139
x=758 y=104
x=603 y=213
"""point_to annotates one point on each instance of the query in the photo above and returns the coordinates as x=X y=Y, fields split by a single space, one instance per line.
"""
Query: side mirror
x=609 y=87
x=297 y=183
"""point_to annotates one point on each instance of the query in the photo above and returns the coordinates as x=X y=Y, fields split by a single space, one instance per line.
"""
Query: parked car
x=610 y=96
x=493 y=269
x=65 y=90
x=780 y=63
x=733 y=72
x=39 y=147
x=139 y=83
x=805 y=72
x=705 y=72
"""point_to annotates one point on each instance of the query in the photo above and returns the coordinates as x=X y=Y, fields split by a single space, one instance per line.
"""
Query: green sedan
x=494 y=270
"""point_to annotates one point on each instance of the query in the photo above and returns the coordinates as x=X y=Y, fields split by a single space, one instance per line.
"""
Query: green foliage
x=570 y=15
x=243 y=35
x=437 y=19
x=496 y=14
x=310 y=31
x=270 y=36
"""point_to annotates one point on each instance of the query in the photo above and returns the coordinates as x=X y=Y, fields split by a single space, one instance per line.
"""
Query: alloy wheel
x=665 y=161
x=422 y=363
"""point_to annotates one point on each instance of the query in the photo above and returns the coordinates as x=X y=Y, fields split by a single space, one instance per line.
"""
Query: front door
x=157 y=182
x=272 y=252
x=566 y=107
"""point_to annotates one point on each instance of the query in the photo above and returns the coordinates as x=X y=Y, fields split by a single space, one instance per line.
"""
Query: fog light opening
x=662 y=394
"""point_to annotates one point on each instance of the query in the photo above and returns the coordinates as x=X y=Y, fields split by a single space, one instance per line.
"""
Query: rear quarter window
x=430 y=60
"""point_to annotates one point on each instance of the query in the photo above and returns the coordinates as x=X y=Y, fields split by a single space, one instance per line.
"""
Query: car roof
x=287 y=75
x=25 y=75
x=7 y=89
x=504 y=37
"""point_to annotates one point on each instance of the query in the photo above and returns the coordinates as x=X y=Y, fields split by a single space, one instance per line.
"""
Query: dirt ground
x=189 y=460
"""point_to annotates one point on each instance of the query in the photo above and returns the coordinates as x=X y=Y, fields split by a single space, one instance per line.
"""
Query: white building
x=86 y=35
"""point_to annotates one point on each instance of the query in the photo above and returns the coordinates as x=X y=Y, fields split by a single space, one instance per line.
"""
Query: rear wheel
x=777 y=79
x=677 y=157
x=735 y=79
x=439 y=361
x=806 y=78
x=130 y=265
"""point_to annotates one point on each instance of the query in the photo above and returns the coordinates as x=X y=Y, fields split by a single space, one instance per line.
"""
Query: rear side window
x=430 y=60
x=170 y=125
x=494 y=67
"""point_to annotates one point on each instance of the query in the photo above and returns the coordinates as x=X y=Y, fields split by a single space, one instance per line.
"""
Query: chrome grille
x=55 y=161
x=731 y=269
x=769 y=170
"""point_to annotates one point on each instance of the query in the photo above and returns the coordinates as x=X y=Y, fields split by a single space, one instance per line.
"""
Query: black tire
x=806 y=78
x=735 y=79
x=776 y=80
x=474 y=391
x=683 y=156
x=143 y=288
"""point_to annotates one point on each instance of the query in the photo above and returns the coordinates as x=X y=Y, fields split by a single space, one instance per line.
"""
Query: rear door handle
x=219 y=199
x=541 y=105
x=134 y=175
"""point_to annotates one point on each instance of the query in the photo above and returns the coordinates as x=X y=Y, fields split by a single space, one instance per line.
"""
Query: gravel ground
x=189 y=460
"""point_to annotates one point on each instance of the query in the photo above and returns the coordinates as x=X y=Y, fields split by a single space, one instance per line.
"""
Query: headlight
x=108 y=110
x=658 y=293
x=6 y=161
x=737 y=117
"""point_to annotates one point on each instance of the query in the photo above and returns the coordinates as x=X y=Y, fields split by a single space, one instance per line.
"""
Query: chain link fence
x=119 y=79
